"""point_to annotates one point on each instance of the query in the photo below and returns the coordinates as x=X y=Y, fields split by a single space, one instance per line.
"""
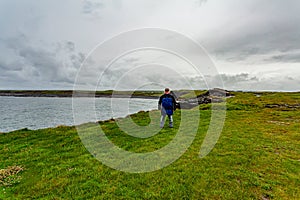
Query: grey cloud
x=285 y=57
x=41 y=63
x=49 y=52
x=243 y=81
x=248 y=82
x=13 y=66
x=77 y=59
x=95 y=8
x=91 y=7
x=9 y=61
x=70 y=46
x=243 y=77
x=200 y=2
x=132 y=78
x=266 y=27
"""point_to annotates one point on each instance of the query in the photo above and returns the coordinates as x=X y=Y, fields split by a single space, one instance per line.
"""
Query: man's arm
x=159 y=103
x=174 y=103
x=160 y=100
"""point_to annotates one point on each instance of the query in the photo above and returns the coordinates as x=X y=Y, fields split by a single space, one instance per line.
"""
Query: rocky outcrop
x=214 y=95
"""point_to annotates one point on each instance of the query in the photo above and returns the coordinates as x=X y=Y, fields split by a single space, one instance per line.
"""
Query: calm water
x=41 y=112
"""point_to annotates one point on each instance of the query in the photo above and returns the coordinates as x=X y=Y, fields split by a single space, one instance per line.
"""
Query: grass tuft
x=9 y=176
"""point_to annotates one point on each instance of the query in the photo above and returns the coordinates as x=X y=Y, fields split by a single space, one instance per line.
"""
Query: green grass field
x=256 y=157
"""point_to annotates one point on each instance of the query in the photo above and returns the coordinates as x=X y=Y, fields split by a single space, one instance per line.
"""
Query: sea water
x=43 y=112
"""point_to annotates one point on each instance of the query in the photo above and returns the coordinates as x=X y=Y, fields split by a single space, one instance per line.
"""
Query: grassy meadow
x=256 y=157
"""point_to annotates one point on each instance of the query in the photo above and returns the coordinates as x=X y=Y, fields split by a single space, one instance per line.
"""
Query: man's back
x=167 y=96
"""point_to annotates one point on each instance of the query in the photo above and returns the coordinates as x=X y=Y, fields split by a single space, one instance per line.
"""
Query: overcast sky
x=254 y=44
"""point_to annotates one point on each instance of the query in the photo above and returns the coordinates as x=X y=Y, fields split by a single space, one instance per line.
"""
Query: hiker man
x=167 y=105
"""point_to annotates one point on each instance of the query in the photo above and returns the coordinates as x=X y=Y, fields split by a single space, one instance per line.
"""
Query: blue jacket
x=166 y=96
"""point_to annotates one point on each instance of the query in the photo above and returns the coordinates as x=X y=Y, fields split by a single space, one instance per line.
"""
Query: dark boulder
x=215 y=95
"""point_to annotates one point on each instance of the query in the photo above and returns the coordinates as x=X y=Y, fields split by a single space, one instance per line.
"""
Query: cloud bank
x=254 y=44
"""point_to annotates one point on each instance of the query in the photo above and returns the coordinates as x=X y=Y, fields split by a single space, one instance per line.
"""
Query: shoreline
x=87 y=96
x=74 y=125
x=71 y=94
